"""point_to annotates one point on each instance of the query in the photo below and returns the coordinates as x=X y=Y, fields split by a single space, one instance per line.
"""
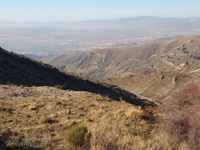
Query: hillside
x=159 y=56
x=139 y=68
x=40 y=104
x=44 y=108
x=20 y=70
x=40 y=117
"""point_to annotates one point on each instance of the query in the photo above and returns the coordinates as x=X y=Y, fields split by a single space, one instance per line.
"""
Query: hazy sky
x=79 y=10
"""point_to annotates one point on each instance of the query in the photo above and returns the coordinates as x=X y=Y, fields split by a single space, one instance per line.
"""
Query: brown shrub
x=181 y=119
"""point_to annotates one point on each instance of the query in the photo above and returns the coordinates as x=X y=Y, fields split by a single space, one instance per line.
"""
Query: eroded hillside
x=160 y=56
x=152 y=70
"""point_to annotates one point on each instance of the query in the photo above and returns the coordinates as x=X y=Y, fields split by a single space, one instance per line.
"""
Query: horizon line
x=90 y=20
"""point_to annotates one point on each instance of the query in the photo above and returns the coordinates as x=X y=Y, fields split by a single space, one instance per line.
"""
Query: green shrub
x=78 y=136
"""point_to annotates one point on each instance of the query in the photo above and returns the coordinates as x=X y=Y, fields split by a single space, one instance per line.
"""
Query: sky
x=82 y=10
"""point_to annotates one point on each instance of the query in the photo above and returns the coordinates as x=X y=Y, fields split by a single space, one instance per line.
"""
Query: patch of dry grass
x=134 y=112
x=115 y=130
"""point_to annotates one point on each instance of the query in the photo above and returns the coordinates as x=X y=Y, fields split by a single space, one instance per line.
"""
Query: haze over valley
x=45 y=39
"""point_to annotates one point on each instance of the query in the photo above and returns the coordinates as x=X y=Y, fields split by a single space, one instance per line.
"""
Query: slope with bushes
x=181 y=116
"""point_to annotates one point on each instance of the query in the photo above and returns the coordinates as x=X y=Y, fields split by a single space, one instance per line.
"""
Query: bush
x=134 y=113
x=181 y=118
x=185 y=51
x=78 y=137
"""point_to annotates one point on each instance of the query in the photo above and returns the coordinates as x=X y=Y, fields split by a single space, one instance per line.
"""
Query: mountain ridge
x=127 y=60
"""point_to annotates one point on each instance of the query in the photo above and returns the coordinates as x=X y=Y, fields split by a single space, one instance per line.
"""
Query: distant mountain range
x=149 y=18
x=141 y=19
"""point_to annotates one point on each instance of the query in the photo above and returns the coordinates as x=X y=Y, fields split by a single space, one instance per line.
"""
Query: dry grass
x=134 y=112
x=152 y=86
x=78 y=137
x=43 y=122
x=113 y=125
x=117 y=131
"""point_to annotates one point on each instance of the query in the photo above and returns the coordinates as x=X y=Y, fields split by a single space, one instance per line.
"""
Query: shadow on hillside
x=20 y=70
x=2 y=144
x=113 y=93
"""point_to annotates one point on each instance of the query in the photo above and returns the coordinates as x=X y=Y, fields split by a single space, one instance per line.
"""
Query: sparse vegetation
x=185 y=51
x=107 y=121
x=196 y=57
